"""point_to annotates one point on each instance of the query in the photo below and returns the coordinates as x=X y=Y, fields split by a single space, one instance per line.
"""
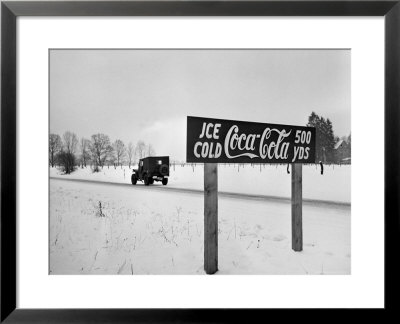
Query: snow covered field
x=267 y=180
x=143 y=230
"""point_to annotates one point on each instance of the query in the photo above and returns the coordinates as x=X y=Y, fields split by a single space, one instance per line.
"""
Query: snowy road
x=122 y=229
x=157 y=186
x=258 y=180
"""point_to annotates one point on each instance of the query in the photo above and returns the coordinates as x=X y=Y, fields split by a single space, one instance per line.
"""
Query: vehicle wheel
x=151 y=181
x=146 y=180
x=133 y=179
x=165 y=181
x=163 y=169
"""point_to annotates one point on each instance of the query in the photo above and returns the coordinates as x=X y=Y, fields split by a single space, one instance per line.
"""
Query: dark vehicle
x=150 y=169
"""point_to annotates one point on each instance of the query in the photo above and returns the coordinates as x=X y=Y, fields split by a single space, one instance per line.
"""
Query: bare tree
x=130 y=153
x=85 y=151
x=55 y=146
x=101 y=149
x=66 y=156
x=140 y=149
x=70 y=142
x=119 y=151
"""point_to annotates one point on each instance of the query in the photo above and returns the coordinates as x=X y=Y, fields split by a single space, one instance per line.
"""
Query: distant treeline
x=329 y=148
x=68 y=152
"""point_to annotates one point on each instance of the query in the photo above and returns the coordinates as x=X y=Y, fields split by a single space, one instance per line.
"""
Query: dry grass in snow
x=108 y=229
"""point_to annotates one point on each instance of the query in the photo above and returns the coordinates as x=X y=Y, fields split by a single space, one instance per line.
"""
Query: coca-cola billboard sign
x=212 y=140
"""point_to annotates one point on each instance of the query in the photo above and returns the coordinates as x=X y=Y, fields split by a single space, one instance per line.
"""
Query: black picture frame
x=10 y=10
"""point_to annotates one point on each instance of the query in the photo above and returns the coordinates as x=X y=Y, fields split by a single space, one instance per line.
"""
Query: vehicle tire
x=133 y=179
x=146 y=180
x=165 y=181
x=163 y=169
x=151 y=181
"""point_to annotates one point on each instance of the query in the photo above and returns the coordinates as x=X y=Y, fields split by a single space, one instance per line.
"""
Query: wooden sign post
x=297 y=207
x=211 y=218
x=212 y=141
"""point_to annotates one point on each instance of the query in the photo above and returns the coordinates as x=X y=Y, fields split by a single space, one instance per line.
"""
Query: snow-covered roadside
x=268 y=180
x=139 y=231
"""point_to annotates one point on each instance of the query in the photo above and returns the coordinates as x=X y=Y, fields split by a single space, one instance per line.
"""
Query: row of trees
x=325 y=138
x=98 y=151
x=68 y=152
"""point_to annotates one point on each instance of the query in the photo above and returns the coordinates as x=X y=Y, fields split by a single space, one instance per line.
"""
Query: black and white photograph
x=199 y=161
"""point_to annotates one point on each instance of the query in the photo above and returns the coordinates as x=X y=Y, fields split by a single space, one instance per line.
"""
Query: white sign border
x=363 y=288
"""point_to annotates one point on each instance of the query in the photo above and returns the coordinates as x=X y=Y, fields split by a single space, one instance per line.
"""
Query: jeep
x=150 y=169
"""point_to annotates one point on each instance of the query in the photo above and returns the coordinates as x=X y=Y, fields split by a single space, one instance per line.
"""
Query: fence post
x=210 y=217
x=297 y=204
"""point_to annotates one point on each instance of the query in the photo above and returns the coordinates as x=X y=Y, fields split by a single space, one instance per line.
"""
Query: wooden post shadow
x=297 y=206
x=210 y=218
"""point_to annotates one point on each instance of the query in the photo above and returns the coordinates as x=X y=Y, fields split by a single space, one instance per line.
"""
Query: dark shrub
x=67 y=162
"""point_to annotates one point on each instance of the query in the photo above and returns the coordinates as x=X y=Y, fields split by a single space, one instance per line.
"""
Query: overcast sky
x=147 y=94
